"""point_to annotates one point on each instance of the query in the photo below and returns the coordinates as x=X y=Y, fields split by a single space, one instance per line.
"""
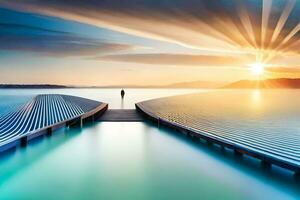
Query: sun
x=257 y=68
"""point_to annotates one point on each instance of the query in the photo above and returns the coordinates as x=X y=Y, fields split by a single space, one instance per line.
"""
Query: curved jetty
x=42 y=114
x=261 y=124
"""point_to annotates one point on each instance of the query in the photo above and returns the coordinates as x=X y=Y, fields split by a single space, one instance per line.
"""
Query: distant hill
x=179 y=85
x=267 y=83
x=242 y=84
x=42 y=86
x=197 y=84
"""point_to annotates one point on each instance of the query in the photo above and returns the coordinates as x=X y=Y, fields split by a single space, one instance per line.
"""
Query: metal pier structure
x=260 y=133
x=43 y=114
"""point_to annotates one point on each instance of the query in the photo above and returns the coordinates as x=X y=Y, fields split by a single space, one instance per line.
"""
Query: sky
x=147 y=42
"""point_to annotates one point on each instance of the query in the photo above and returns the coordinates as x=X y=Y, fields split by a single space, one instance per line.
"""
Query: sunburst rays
x=257 y=30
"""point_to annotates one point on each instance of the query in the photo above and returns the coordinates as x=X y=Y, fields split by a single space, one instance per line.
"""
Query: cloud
x=228 y=26
x=16 y=37
x=176 y=60
x=292 y=70
x=14 y=28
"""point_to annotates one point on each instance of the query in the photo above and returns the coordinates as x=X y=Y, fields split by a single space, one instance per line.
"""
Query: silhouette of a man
x=122 y=93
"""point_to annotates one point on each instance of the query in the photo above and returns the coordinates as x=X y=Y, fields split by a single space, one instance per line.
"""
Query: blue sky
x=146 y=42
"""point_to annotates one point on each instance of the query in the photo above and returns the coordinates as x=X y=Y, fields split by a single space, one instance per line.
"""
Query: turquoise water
x=110 y=96
x=110 y=160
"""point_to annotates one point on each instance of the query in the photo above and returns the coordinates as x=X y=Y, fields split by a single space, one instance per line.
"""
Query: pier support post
x=297 y=175
x=188 y=134
x=193 y=137
x=266 y=165
x=80 y=122
x=223 y=148
x=209 y=143
x=75 y=122
x=23 y=141
x=49 y=131
x=237 y=153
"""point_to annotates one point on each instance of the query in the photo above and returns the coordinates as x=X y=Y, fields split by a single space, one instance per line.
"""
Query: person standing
x=122 y=93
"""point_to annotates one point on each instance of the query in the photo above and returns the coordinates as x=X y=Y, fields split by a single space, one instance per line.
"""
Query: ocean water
x=113 y=160
x=110 y=96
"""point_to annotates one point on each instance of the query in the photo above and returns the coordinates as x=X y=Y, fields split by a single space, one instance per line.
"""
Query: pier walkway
x=121 y=115
x=261 y=125
x=44 y=113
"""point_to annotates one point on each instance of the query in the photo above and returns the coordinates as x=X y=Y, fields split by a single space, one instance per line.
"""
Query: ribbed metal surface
x=40 y=112
x=265 y=122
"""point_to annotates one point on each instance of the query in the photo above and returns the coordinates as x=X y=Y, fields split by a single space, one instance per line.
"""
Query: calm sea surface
x=113 y=160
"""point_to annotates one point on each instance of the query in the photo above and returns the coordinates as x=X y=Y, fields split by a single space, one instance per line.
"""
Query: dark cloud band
x=247 y=23
x=16 y=37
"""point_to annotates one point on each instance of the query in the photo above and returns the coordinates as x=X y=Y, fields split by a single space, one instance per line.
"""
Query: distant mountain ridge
x=193 y=84
x=197 y=84
x=242 y=84
x=31 y=86
x=267 y=83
